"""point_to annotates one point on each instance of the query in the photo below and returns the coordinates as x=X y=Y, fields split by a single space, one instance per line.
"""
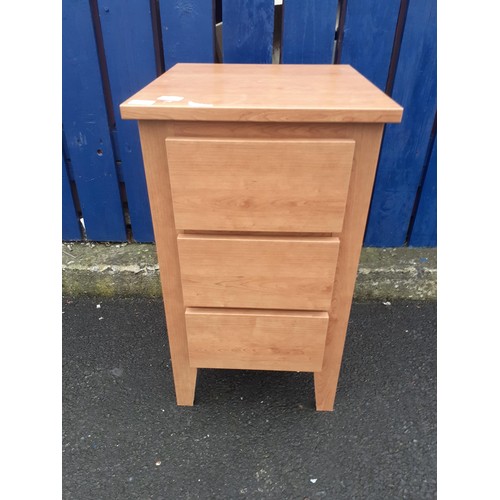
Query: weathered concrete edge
x=129 y=270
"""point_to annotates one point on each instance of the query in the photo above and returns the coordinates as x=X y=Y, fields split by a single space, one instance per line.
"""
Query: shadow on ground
x=250 y=434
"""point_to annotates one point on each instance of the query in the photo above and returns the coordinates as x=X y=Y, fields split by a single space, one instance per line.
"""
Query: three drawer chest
x=259 y=180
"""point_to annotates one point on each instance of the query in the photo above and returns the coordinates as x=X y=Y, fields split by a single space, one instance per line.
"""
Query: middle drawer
x=258 y=271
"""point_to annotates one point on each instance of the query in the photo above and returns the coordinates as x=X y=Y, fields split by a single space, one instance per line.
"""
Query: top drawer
x=259 y=185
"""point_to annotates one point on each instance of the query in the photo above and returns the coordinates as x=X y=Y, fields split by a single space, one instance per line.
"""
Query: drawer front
x=257 y=272
x=259 y=185
x=256 y=340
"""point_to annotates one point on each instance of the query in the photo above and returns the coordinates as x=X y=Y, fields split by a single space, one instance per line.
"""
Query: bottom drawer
x=256 y=339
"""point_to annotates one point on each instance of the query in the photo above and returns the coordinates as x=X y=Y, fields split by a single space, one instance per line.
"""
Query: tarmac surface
x=251 y=434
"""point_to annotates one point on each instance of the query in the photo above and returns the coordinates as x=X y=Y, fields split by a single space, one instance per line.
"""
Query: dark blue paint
x=70 y=227
x=129 y=48
x=308 y=31
x=247 y=31
x=369 y=31
x=404 y=146
x=424 y=231
x=86 y=127
x=188 y=31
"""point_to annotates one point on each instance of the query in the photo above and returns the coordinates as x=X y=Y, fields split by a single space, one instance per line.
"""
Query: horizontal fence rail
x=113 y=48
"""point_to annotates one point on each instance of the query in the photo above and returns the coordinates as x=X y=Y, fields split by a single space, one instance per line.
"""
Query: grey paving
x=251 y=434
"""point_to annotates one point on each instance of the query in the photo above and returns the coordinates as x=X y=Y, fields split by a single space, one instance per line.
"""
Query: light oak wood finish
x=258 y=272
x=253 y=233
x=252 y=107
x=252 y=130
x=262 y=93
x=256 y=340
x=362 y=177
x=156 y=167
x=259 y=185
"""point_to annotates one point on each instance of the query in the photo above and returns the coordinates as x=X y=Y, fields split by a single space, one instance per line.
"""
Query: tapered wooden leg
x=153 y=135
x=325 y=382
x=185 y=384
x=184 y=375
x=368 y=138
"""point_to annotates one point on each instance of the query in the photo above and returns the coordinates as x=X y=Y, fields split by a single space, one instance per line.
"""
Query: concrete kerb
x=128 y=270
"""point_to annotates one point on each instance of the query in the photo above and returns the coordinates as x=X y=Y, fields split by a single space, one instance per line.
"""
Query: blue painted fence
x=112 y=48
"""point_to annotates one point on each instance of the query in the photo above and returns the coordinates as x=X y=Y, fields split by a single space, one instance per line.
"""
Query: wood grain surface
x=258 y=272
x=259 y=185
x=256 y=340
x=367 y=140
x=265 y=92
x=363 y=173
x=155 y=162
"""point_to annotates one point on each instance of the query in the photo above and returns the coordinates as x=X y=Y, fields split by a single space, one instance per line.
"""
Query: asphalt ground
x=251 y=434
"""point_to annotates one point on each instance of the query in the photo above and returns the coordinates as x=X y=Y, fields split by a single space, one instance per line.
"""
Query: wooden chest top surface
x=261 y=93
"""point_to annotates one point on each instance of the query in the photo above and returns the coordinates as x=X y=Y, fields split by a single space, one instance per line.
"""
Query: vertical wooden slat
x=404 y=147
x=308 y=31
x=368 y=37
x=86 y=127
x=130 y=56
x=424 y=231
x=70 y=227
x=247 y=31
x=188 y=31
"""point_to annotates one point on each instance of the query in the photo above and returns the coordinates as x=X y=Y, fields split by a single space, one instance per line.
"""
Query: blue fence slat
x=188 y=31
x=308 y=31
x=247 y=31
x=369 y=30
x=85 y=123
x=86 y=127
x=248 y=25
x=70 y=227
x=424 y=231
x=129 y=47
x=405 y=145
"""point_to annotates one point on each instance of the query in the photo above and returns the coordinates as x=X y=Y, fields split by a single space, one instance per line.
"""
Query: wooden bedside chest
x=259 y=180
